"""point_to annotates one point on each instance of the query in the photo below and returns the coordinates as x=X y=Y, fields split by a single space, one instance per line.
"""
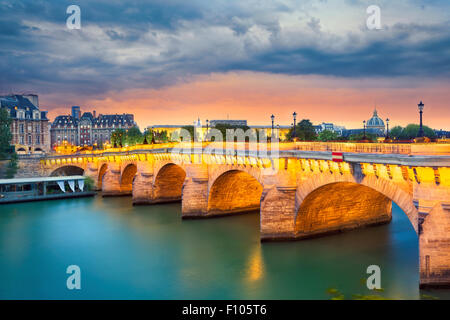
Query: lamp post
x=421 y=106
x=278 y=131
x=387 y=129
x=207 y=129
x=364 y=137
x=295 y=119
x=272 y=117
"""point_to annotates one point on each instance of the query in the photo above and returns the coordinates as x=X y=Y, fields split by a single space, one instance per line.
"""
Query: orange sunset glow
x=255 y=96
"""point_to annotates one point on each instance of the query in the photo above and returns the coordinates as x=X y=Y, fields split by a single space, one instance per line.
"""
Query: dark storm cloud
x=142 y=44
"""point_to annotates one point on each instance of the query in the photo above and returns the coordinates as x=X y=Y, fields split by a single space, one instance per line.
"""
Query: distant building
x=88 y=129
x=29 y=125
x=329 y=127
x=441 y=134
x=376 y=122
x=213 y=123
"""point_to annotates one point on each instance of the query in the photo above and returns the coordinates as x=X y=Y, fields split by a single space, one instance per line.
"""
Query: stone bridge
x=298 y=193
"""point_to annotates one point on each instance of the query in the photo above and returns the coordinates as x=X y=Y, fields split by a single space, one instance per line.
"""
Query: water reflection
x=149 y=252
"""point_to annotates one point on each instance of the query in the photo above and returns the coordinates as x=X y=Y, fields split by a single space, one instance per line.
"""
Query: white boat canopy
x=42 y=179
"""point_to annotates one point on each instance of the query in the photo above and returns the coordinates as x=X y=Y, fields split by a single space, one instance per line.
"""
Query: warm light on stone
x=298 y=195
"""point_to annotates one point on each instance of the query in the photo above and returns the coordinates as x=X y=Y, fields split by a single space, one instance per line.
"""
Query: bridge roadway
x=299 y=193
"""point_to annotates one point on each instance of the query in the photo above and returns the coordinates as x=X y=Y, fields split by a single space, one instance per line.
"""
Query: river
x=149 y=252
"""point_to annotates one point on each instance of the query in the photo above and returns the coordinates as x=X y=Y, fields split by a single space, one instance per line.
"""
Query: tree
x=303 y=131
x=360 y=136
x=148 y=134
x=5 y=134
x=12 y=166
x=327 y=135
x=222 y=127
x=134 y=136
x=396 y=132
x=176 y=136
x=163 y=136
x=410 y=132
x=118 y=137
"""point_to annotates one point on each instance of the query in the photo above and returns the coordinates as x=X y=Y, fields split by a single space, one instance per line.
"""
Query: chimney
x=95 y=114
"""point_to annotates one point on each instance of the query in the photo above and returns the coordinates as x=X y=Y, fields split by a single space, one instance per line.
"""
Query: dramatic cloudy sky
x=169 y=61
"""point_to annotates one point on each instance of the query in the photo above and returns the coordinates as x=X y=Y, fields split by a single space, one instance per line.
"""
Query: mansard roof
x=18 y=102
x=107 y=120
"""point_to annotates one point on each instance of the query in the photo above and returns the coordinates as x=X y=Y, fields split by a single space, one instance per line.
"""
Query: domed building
x=376 y=122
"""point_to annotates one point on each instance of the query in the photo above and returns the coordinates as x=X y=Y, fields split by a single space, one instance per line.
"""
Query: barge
x=43 y=188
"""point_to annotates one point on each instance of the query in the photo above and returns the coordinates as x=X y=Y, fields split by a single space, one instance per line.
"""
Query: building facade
x=87 y=129
x=29 y=127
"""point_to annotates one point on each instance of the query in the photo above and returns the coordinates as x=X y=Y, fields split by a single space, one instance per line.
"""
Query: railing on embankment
x=386 y=148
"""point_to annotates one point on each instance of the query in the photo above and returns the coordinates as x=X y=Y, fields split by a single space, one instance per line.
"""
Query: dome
x=375 y=121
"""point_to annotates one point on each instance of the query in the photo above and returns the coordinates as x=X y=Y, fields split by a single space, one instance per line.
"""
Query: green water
x=149 y=252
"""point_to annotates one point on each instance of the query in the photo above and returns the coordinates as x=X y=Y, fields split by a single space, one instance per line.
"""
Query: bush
x=89 y=184
x=12 y=167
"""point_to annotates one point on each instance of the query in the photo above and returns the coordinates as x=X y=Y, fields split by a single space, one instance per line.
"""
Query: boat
x=43 y=188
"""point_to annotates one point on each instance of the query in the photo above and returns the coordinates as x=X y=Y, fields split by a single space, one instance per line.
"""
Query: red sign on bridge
x=337 y=156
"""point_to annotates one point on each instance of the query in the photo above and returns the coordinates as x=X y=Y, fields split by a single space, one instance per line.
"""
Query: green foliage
x=327 y=135
x=304 y=131
x=5 y=134
x=12 y=167
x=148 y=134
x=396 y=132
x=133 y=136
x=89 y=184
x=410 y=132
x=360 y=136
x=189 y=129
x=162 y=136
x=222 y=127
x=118 y=137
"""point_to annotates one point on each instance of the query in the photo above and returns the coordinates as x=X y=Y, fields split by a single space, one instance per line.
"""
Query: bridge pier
x=92 y=172
x=143 y=184
x=434 y=237
x=111 y=181
x=278 y=214
x=195 y=191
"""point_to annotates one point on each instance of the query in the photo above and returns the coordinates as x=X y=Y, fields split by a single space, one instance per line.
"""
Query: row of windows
x=37 y=128
x=97 y=126
x=21 y=115
x=38 y=139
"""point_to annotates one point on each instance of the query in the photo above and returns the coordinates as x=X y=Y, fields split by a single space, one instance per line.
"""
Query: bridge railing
x=384 y=148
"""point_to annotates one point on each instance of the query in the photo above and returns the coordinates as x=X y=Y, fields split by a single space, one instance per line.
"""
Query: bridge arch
x=234 y=191
x=127 y=177
x=101 y=174
x=334 y=202
x=168 y=183
x=67 y=170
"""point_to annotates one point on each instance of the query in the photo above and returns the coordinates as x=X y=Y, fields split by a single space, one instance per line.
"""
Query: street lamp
x=207 y=129
x=272 y=117
x=295 y=118
x=421 y=106
x=364 y=137
x=387 y=129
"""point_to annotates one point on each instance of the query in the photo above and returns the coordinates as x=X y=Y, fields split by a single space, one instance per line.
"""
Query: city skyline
x=172 y=62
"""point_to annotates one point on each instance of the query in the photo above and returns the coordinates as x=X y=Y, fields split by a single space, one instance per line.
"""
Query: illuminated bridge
x=299 y=190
